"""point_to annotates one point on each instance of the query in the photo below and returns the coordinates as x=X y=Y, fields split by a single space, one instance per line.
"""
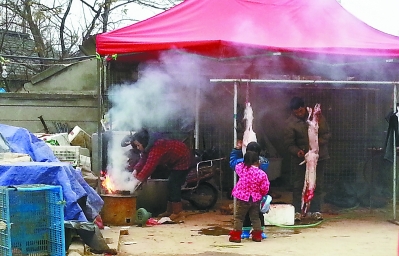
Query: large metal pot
x=153 y=196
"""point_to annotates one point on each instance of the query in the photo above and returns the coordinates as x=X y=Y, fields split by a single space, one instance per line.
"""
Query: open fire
x=108 y=186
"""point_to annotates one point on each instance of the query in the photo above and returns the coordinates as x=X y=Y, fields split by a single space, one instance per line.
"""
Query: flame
x=108 y=184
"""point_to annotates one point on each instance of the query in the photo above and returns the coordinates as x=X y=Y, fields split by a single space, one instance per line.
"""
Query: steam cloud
x=165 y=90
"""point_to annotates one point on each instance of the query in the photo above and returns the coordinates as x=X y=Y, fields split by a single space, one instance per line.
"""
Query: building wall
x=77 y=77
x=60 y=111
x=64 y=96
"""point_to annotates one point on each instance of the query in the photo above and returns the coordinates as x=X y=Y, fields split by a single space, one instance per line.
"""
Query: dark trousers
x=175 y=180
x=299 y=179
x=247 y=221
x=252 y=208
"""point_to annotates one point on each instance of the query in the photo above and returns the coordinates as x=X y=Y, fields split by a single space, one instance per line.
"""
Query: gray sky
x=380 y=14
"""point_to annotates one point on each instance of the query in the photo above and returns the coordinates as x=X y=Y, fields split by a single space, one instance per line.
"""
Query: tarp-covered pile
x=47 y=169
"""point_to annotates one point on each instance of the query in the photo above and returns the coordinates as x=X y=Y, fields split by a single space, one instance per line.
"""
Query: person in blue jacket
x=236 y=157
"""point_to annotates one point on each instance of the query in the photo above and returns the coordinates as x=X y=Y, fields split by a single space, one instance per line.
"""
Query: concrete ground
x=355 y=232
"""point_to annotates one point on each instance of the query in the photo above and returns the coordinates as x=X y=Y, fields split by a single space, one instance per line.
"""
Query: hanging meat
x=311 y=157
x=249 y=134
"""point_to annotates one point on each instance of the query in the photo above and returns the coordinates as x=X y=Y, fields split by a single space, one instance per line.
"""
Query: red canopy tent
x=222 y=28
x=299 y=36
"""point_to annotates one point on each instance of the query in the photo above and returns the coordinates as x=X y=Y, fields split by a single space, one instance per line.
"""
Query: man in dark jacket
x=297 y=142
x=173 y=154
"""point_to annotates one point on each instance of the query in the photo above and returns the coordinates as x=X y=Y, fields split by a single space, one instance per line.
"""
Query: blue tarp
x=47 y=169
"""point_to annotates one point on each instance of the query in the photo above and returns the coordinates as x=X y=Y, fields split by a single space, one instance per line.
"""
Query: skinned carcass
x=249 y=134
x=311 y=157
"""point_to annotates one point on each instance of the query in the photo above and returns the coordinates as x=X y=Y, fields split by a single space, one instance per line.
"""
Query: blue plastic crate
x=32 y=221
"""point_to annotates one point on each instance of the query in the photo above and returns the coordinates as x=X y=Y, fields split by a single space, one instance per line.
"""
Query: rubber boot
x=264 y=236
x=168 y=211
x=257 y=235
x=235 y=236
x=177 y=209
x=246 y=232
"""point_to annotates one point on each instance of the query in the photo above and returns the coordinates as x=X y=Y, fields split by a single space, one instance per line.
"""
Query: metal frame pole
x=301 y=81
x=197 y=115
x=100 y=81
x=395 y=109
x=235 y=140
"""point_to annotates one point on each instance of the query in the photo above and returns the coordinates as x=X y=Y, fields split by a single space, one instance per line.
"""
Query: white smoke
x=165 y=91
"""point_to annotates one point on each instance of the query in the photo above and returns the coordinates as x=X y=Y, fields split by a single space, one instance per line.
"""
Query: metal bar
x=100 y=82
x=198 y=174
x=316 y=87
x=235 y=140
x=46 y=130
x=395 y=109
x=49 y=59
x=197 y=118
x=302 y=81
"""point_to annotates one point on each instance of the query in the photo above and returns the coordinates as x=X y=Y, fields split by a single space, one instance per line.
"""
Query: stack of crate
x=68 y=154
x=32 y=220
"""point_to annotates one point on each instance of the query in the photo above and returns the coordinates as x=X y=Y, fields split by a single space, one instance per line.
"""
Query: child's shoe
x=264 y=236
x=246 y=232
x=257 y=235
x=235 y=236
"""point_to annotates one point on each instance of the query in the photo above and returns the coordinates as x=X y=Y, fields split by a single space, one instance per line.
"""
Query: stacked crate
x=32 y=220
x=67 y=154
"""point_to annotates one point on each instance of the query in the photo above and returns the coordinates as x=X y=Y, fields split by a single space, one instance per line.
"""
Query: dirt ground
x=355 y=232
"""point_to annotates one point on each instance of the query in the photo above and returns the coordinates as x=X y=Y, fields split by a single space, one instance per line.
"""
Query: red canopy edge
x=237 y=28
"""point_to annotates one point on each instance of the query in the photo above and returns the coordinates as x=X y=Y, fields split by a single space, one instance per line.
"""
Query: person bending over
x=175 y=155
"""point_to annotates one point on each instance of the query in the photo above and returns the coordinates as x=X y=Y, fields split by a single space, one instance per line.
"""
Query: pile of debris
x=75 y=148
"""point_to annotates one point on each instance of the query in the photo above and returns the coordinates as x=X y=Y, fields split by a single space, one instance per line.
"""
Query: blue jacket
x=237 y=157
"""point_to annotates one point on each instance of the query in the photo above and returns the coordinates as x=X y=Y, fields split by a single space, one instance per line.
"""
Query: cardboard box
x=78 y=137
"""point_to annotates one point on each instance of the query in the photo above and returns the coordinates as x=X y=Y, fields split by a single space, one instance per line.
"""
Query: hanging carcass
x=311 y=157
x=249 y=134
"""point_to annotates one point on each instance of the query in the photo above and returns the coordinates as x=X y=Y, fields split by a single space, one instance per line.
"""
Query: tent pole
x=235 y=140
x=395 y=94
x=99 y=117
x=197 y=113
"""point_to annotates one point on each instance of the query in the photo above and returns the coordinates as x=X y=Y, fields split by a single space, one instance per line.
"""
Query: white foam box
x=78 y=137
x=61 y=138
x=9 y=157
x=280 y=214
x=85 y=162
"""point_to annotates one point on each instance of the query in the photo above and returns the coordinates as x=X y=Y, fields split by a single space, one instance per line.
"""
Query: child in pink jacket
x=252 y=185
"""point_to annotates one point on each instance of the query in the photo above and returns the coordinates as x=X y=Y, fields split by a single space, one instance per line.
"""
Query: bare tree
x=57 y=30
x=102 y=11
x=36 y=34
